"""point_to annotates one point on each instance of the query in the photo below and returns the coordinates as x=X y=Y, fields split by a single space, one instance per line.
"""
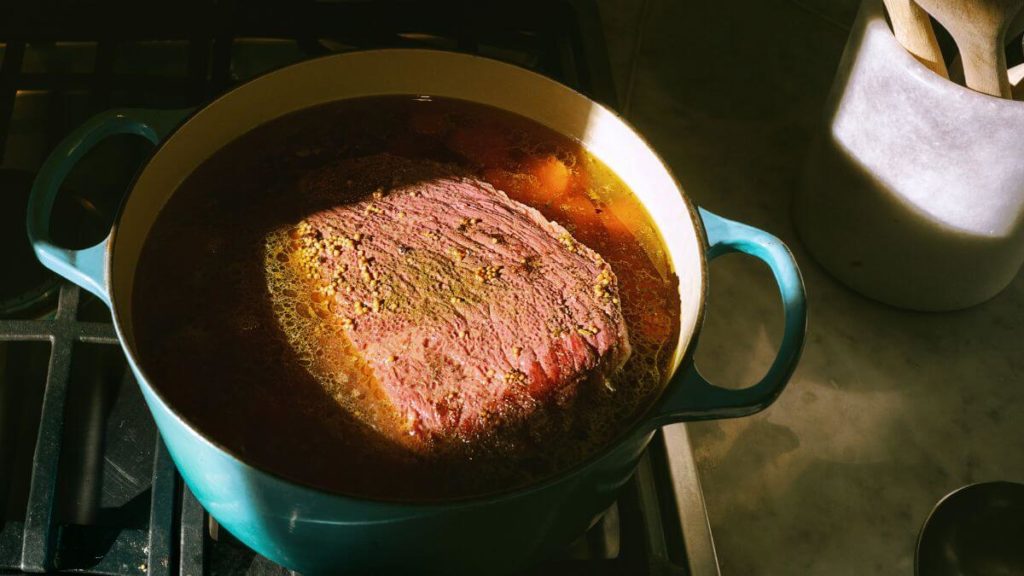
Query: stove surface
x=86 y=485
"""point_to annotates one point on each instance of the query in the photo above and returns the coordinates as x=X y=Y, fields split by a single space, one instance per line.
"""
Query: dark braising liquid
x=247 y=350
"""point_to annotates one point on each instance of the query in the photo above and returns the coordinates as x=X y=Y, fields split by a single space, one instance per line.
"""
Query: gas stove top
x=86 y=485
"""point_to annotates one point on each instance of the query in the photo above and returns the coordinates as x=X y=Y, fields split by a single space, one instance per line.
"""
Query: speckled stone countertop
x=889 y=410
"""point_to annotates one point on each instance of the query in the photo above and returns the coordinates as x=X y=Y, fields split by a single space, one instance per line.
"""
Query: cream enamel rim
x=410 y=72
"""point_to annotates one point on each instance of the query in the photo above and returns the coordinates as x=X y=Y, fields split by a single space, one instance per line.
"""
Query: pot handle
x=691 y=397
x=86 y=267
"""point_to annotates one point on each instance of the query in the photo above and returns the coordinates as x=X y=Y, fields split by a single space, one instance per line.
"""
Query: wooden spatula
x=913 y=30
x=979 y=29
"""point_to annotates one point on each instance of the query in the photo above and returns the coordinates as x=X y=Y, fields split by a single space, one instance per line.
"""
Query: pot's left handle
x=86 y=267
x=689 y=395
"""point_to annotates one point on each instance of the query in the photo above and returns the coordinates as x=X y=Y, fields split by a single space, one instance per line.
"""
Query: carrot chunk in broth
x=552 y=174
x=521 y=187
x=619 y=218
x=578 y=213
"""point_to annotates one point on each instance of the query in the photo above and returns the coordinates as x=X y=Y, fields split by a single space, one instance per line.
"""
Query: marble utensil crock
x=913 y=192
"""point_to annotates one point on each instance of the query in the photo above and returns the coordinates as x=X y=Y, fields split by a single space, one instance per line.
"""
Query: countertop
x=889 y=410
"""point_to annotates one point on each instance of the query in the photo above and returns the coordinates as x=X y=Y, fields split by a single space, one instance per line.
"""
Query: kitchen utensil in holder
x=913 y=191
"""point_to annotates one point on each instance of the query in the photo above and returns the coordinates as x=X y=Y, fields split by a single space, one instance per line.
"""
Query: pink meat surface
x=470 y=308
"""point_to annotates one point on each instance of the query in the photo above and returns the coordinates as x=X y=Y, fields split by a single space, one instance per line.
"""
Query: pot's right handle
x=86 y=267
x=689 y=395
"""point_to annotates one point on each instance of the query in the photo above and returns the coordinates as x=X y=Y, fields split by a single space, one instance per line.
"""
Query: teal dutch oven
x=312 y=531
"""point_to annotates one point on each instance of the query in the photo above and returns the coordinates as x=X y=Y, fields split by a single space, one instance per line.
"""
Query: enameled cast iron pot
x=316 y=532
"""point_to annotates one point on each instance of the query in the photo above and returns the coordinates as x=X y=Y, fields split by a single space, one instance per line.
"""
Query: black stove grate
x=86 y=485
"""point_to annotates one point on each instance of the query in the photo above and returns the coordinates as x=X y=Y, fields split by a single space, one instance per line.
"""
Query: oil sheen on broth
x=247 y=349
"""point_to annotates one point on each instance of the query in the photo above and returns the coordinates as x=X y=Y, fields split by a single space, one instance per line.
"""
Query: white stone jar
x=913 y=192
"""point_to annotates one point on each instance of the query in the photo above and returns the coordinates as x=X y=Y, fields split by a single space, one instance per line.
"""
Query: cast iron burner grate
x=86 y=485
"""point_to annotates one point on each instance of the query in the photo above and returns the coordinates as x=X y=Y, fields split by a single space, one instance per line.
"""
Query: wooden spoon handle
x=913 y=30
x=985 y=68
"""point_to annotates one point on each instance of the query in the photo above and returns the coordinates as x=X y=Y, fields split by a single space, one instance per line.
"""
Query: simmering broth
x=250 y=351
